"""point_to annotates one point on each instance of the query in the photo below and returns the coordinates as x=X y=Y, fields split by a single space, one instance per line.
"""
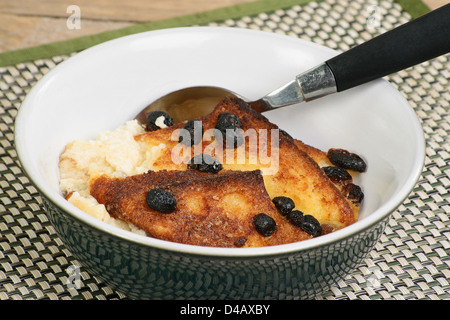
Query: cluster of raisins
x=266 y=225
x=228 y=129
x=307 y=223
x=205 y=163
x=344 y=160
x=347 y=160
x=161 y=200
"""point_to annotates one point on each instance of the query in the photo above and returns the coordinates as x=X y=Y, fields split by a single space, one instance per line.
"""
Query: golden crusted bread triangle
x=212 y=209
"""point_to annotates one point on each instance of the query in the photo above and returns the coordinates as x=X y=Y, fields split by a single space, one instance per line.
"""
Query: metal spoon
x=417 y=41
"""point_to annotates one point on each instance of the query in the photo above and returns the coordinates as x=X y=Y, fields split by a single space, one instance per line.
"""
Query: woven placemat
x=412 y=258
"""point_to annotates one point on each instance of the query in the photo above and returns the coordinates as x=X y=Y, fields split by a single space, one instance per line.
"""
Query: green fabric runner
x=414 y=7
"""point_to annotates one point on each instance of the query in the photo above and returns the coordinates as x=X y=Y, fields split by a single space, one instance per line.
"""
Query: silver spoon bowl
x=194 y=102
x=187 y=104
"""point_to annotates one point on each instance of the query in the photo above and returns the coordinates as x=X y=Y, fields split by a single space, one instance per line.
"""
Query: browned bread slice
x=211 y=210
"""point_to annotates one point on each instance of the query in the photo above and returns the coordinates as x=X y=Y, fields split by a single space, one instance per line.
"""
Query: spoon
x=414 y=42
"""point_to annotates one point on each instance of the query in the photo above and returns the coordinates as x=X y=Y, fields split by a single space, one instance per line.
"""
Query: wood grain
x=17 y=31
x=434 y=4
x=26 y=23
x=114 y=10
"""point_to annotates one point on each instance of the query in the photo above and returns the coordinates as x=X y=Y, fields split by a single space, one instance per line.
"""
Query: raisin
x=228 y=126
x=354 y=193
x=296 y=218
x=192 y=133
x=205 y=163
x=283 y=204
x=337 y=174
x=344 y=159
x=264 y=224
x=154 y=121
x=311 y=225
x=227 y=120
x=161 y=200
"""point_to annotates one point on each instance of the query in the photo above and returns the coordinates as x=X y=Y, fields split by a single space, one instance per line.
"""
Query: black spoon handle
x=414 y=42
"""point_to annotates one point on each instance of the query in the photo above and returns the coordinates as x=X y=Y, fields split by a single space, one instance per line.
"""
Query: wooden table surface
x=26 y=23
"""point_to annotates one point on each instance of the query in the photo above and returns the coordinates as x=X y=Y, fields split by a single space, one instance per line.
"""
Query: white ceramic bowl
x=102 y=87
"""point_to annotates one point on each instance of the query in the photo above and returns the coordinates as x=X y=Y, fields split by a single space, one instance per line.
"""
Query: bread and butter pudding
x=228 y=179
